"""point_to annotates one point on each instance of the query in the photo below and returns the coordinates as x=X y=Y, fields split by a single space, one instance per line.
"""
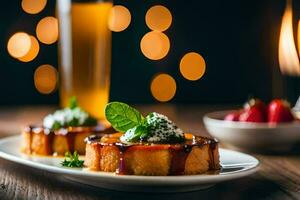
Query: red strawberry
x=234 y=116
x=254 y=102
x=259 y=104
x=252 y=114
x=279 y=111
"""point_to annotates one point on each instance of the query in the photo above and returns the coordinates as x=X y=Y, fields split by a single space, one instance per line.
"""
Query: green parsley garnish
x=72 y=160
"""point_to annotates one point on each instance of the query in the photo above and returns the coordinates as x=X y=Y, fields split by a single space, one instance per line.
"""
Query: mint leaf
x=90 y=121
x=73 y=102
x=56 y=125
x=122 y=117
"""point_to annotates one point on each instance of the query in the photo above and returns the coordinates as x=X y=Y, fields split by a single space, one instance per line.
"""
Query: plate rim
x=191 y=179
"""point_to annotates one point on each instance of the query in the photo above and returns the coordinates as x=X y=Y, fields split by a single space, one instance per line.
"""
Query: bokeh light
x=33 y=6
x=33 y=51
x=192 y=66
x=158 y=18
x=19 y=44
x=45 y=79
x=119 y=18
x=155 y=45
x=163 y=87
x=47 y=30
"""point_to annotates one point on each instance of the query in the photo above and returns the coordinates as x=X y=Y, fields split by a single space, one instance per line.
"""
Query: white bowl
x=252 y=136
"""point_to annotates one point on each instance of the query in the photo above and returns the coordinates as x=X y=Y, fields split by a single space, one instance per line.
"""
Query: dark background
x=238 y=39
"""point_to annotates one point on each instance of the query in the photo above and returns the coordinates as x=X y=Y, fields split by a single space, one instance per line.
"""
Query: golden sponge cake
x=194 y=156
x=43 y=141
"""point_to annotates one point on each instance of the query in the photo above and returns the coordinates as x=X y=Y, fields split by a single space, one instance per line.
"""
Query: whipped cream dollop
x=157 y=128
x=68 y=117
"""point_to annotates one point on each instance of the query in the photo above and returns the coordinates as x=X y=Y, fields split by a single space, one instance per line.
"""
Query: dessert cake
x=153 y=145
x=194 y=156
x=63 y=131
x=44 y=141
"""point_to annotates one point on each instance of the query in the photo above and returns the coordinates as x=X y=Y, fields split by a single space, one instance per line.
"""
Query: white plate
x=234 y=165
x=252 y=136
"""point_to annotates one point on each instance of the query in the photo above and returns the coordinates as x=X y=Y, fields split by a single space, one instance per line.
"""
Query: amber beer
x=85 y=53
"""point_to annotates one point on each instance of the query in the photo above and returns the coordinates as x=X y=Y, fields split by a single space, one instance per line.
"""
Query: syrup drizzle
x=122 y=165
x=48 y=143
x=179 y=156
x=179 y=152
x=69 y=133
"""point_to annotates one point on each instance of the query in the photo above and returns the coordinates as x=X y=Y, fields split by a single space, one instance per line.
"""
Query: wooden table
x=277 y=178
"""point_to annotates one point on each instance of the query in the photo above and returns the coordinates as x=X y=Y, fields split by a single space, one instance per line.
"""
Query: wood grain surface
x=277 y=178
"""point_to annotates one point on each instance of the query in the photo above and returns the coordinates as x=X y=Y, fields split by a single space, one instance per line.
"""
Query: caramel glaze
x=70 y=134
x=179 y=151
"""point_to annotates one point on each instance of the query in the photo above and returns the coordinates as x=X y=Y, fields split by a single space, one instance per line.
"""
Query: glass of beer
x=85 y=53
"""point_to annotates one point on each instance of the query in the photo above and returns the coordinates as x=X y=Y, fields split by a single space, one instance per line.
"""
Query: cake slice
x=196 y=155
x=63 y=131
x=151 y=145
x=44 y=141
